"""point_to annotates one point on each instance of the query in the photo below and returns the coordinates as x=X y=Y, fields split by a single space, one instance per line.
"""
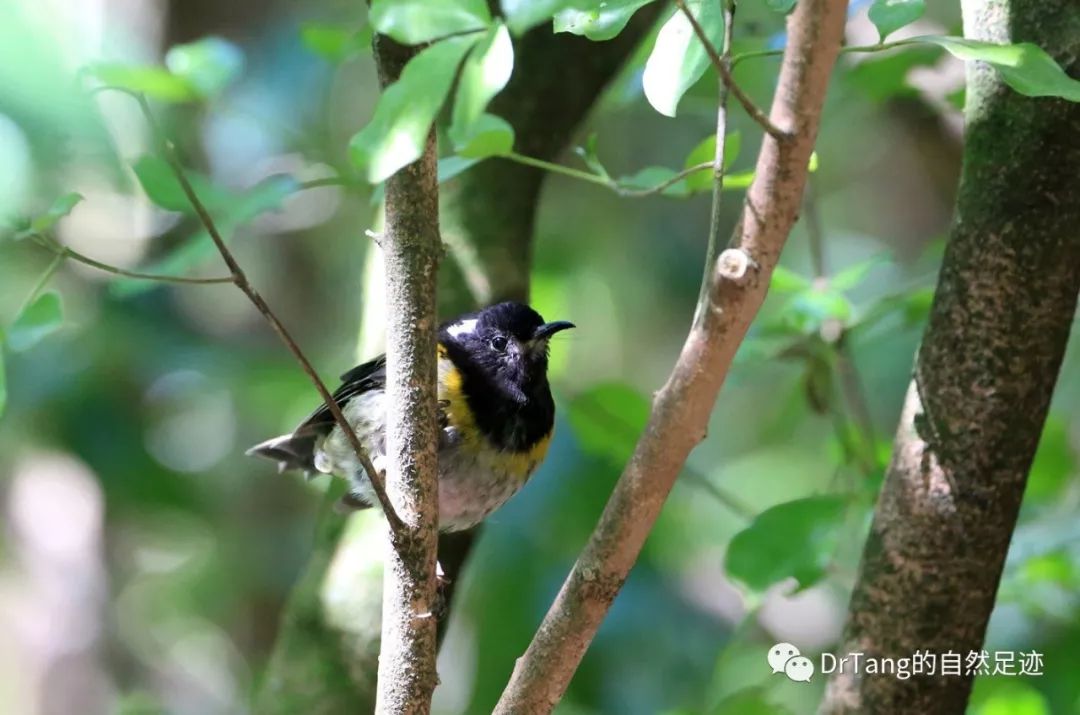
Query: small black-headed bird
x=495 y=411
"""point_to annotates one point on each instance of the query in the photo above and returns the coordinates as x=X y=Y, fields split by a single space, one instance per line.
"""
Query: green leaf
x=706 y=152
x=1010 y=696
x=913 y=308
x=750 y=701
x=238 y=210
x=488 y=136
x=597 y=20
x=889 y=16
x=398 y=132
x=652 y=176
x=522 y=15
x=451 y=166
x=333 y=42
x=590 y=155
x=155 y=82
x=784 y=6
x=157 y=179
x=209 y=65
x=607 y=420
x=1054 y=461
x=1056 y=567
x=413 y=22
x=59 y=209
x=1024 y=67
x=741 y=180
x=883 y=78
x=787 y=281
x=484 y=73
x=678 y=59
x=39 y=319
x=807 y=311
x=855 y=274
x=795 y=539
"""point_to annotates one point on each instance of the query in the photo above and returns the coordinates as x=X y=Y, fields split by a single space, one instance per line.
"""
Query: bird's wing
x=362 y=378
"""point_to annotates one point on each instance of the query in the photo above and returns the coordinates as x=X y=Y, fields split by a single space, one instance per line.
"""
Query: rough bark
x=681 y=409
x=412 y=248
x=984 y=376
x=326 y=654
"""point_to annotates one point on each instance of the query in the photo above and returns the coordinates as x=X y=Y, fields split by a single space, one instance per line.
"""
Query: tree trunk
x=983 y=379
x=326 y=654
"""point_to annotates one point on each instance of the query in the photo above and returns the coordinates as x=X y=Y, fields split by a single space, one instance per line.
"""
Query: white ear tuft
x=459 y=329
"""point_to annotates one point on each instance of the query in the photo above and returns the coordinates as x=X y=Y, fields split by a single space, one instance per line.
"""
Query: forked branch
x=682 y=407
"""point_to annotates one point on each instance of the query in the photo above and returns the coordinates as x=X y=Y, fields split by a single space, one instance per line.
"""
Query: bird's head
x=506 y=344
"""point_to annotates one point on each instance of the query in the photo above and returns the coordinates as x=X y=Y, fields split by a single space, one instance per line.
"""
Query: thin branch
x=853 y=49
x=342 y=181
x=712 y=249
x=623 y=190
x=74 y=255
x=723 y=66
x=620 y=188
x=241 y=280
x=560 y=169
x=682 y=408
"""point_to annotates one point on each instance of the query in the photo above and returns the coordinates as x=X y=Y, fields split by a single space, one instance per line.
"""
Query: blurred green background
x=145 y=560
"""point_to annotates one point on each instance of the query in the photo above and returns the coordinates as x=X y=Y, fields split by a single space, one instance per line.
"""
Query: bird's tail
x=291 y=451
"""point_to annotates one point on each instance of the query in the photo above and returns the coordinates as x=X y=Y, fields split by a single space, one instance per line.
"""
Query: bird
x=496 y=416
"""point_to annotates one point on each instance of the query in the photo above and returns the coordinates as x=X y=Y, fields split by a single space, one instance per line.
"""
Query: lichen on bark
x=983 y=377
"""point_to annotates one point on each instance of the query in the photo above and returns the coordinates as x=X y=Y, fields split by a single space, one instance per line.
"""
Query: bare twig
x=682 y=407
x=716 y=214
x=849 y=50
x=623 y=190
x=241 y=280
x=723 y=67
x=116 y=270
x=61 y=251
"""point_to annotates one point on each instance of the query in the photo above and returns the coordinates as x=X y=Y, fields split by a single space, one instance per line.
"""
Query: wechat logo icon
x=785 y=658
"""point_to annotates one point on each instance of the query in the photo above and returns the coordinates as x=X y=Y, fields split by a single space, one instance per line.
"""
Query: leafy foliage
x=792 y=540
x=413 y=22
x=623 y=272
x=484 y=73
x=678 y=59
x=403 y=117
x=607 y=420
x=889 y=16
x=44 y=316
x=208 y=65
x=199 y=70
x=1024 y=66
x=59 y=209
x=597 y=19
x=334 y=43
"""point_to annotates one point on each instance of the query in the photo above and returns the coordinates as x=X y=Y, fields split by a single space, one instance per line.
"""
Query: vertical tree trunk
x=983 y=377
x=412 y=248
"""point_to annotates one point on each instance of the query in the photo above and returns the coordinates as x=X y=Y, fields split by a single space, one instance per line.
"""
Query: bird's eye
x=498 y=343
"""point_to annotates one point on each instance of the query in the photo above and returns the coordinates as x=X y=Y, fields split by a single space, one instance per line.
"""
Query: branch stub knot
x=734 y=264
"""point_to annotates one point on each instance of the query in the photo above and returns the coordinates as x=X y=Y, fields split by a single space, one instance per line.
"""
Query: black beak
x=546 y=330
